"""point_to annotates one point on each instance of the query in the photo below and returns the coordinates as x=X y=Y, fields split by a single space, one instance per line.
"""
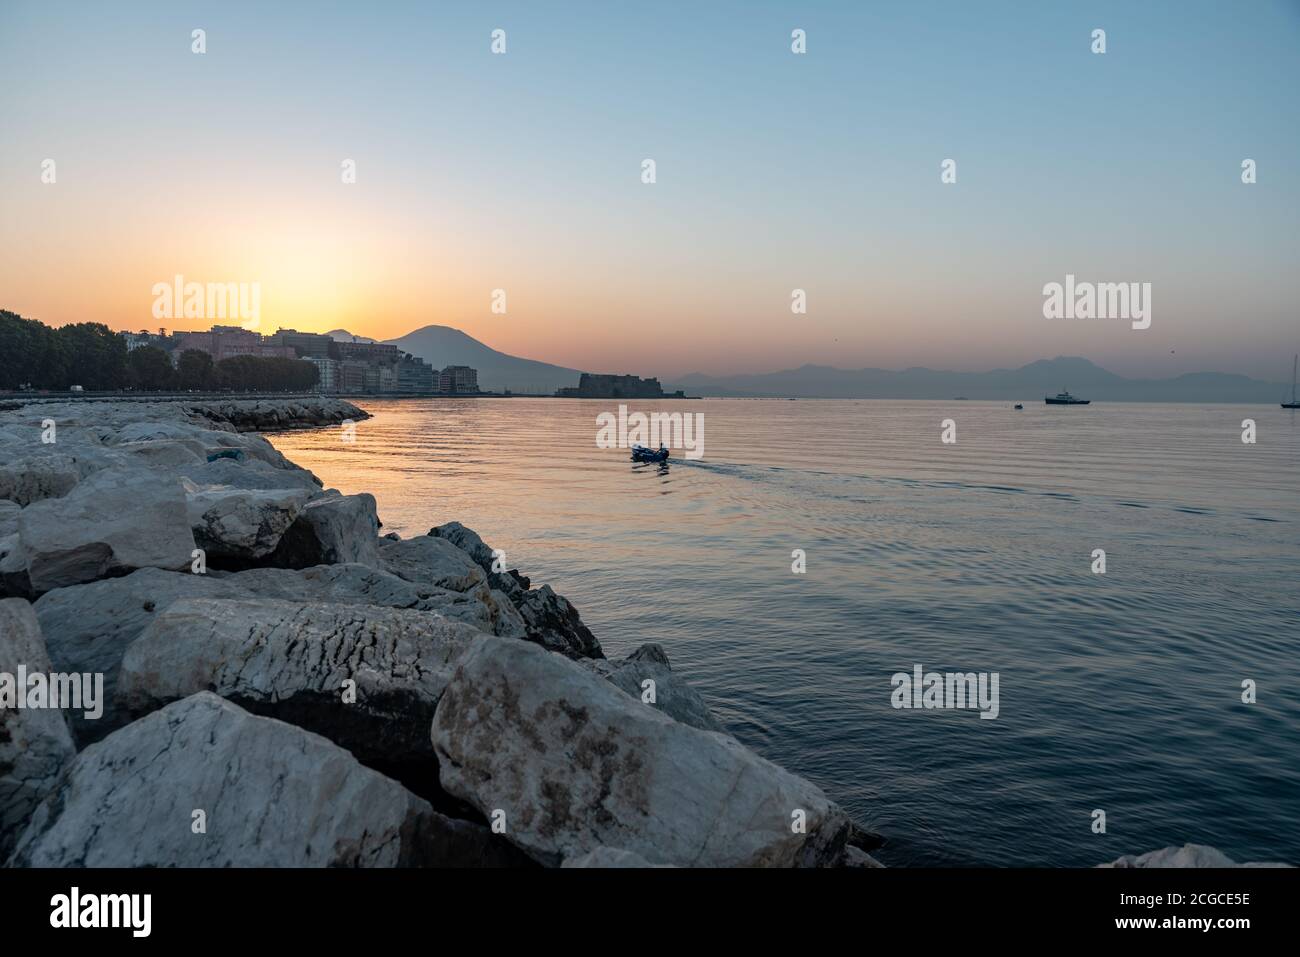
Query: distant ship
x=1064 y=398
x=1293 y=404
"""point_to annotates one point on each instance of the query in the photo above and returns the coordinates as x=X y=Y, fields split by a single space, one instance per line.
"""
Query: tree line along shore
x=92 y=357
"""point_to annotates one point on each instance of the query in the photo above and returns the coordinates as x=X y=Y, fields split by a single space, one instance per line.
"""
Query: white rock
x=242 y=523
x=90 y=626
x=161 y=430
x=210 y=440
x=349 y=584
x=672 y=695
x=608 y=857
x=164 y=453
x=271 y=795
x=113 y=521
x=545 y=618
x=505 y=618
x=432 y=561
x=9 y=518
x=32 y=477
x=357 y=584
x=553 y=622
x=248 y=474
x=35 y=743
x=333 y=529
x=858 y=858
x=576 y=764
x=468 y=541
x=1189 y=855
x=292 y=661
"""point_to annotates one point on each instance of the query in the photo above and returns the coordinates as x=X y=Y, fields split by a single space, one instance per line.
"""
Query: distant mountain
x=1029 y=383
x=444 y=346
x=342 y=335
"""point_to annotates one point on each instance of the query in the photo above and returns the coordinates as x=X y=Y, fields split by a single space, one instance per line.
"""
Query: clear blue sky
x=775 y=172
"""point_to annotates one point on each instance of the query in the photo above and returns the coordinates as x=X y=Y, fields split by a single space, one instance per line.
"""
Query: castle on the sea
x=592 y=386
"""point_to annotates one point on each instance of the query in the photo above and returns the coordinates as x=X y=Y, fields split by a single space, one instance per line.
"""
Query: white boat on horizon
x=1064 y=398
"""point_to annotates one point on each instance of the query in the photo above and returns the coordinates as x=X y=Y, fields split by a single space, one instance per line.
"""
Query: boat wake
x=780 y=475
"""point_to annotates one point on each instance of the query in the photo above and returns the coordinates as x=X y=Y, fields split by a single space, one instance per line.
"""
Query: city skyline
x=775 y=171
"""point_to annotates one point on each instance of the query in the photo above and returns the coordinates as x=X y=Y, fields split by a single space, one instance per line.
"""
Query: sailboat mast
x=1294 y=360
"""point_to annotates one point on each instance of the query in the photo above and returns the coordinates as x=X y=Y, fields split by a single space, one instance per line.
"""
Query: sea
x=816 y=549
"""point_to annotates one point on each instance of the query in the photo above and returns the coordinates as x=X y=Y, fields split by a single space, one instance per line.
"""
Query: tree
x=91 y=355
x=151 y=369
x=195 y=371
x=30 y=353
x=258 y=374
x=96 y=357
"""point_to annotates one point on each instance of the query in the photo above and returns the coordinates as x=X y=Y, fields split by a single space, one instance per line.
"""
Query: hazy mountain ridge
x=1029 y=383
x=443 y=345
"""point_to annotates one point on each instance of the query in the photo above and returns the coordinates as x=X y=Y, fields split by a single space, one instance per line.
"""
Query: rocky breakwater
x=235 y=668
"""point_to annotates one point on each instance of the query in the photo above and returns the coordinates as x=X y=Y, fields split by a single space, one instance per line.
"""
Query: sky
x=775 y=171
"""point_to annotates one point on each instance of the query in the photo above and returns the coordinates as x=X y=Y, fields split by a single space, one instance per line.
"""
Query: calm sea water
x=1119 y=692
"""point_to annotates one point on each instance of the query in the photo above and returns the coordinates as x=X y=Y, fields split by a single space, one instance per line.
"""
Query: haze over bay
x=775 y=172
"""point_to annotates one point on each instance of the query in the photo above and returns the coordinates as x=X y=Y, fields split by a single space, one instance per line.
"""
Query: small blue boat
x=642 y=454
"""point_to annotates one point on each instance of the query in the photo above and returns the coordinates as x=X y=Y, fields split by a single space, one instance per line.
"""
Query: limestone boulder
x=203 y=783
x=366 y=677
x=331 y=529
x=112 y=522
x=547 y=618
x=1189 y=855
x=90 y=626
x=647 y=676
x=576 y=764
x=9 y=518
x=248 y=474
x=553 y=622
x=855 y=857
x=242 y=524
x=608 y=857
x=209 y=439
x=35 y=743
x=34 y=474
x=165 y=453
x=432 y=561
x=357 y=584
x=468 y=541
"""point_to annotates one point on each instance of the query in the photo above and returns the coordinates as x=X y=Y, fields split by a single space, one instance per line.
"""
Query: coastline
x=10 y=401
x=410 y=704
x=407 y=701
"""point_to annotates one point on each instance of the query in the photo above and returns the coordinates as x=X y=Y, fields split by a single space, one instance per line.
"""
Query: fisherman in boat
x=642 y=454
